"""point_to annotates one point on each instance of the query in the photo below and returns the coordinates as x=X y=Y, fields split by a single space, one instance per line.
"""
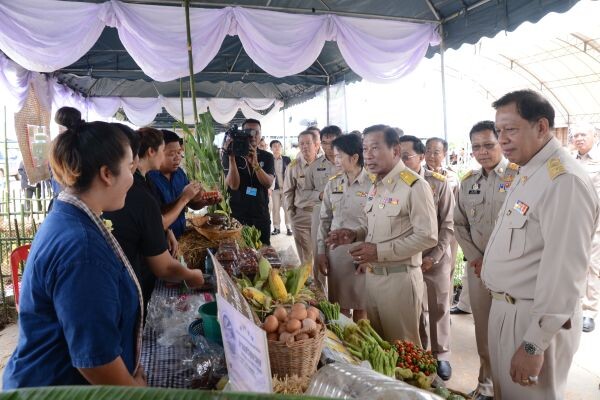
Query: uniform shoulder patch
x=372 y=178
x=467 y=175
x=555 y=167
x=514 y=166
x=294 y=162
x=408 y=177
x=335 y=176
x=437 y=176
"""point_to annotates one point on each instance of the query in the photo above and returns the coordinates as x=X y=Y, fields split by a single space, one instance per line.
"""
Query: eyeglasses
x=406 y=157
x=435 y=153
x=488 y=146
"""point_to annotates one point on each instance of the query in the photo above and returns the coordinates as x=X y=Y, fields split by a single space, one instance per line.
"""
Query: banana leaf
x=133 y=393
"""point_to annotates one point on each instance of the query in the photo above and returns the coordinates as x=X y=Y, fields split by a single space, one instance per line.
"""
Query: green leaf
x=133 y=393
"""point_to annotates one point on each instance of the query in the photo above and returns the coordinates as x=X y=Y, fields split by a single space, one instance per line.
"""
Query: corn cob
x=276 y=285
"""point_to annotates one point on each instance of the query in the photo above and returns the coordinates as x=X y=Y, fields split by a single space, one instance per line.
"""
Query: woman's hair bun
x=69 y=117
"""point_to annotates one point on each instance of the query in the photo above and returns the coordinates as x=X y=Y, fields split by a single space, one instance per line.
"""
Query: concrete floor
x=583 y=381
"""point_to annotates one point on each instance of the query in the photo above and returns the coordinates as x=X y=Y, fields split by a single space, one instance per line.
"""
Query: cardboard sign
x=246 y=350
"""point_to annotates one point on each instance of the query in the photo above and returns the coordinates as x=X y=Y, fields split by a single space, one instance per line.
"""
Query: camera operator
x=249 y=177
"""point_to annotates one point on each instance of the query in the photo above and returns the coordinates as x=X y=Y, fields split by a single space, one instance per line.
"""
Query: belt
x=503 y=297
x=389 y=270
x=308 y=209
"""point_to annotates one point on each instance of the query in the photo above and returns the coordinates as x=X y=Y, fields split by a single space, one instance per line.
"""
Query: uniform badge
x=475 y=186
x=361 y=194
x=504 y=187
x=521 y=207
x=381 y=205
x=509 y=178
x=523 y=179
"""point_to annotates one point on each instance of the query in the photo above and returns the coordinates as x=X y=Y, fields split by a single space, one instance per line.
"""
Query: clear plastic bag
x=345 y=381
x=289 y=258
x=208 y=365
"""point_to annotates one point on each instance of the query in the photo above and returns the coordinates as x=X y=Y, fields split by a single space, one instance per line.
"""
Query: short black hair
x=418 y=145
x=390 y=134
x=483 y=126
x=439 y=140
x=351 y=145
x=170 y=137
x=310 y=133
x=274 y=142
x=531 y=105
x=251 y=121
x=331 y=130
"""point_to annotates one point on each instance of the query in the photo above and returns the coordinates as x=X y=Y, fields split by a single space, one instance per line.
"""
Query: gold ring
x=524 y=380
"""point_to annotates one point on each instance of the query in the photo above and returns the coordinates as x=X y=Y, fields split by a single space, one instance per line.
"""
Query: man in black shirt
x=248 y=180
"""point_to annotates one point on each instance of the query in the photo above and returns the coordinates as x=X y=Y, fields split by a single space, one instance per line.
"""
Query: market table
x=164 y=365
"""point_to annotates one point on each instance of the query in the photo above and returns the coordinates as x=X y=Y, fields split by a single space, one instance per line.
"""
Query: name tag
x=251 y=191
x=321 y=169
x=474 y=191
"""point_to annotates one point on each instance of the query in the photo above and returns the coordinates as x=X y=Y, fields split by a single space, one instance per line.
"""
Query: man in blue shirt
x=175 y=191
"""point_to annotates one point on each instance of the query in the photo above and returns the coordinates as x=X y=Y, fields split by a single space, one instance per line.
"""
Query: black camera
x=240 y=143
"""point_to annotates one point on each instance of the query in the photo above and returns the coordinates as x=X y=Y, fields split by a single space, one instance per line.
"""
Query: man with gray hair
x=583 y=137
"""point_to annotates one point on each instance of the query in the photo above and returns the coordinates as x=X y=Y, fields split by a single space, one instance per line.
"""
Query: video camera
x=240 y=143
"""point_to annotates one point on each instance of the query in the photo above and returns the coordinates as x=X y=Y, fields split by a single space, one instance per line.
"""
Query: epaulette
x=439 y=177
x=335 y=176
x=512 y=165
x=294 y=162
x=467 y=175
x=372 y=178
x=408 y=177
x=555 y=167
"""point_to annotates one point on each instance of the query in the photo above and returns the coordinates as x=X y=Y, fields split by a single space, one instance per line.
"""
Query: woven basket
x=299 y=358
x=213 y=233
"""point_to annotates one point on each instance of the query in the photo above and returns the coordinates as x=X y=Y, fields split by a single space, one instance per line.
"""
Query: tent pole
x=327 y=97
x=443 y=65
x=181 y=100
x=190 y=58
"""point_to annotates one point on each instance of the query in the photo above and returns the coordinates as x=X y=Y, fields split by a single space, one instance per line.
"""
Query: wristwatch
x=532 y=349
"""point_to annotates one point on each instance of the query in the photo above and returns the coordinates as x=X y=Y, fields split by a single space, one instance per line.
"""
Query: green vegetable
x=251 y=237
x=331 y=311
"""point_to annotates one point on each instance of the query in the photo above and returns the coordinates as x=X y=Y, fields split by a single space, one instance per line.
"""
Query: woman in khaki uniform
x=343 y=205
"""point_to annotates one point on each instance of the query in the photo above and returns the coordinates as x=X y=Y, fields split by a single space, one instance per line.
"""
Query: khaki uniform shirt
x=317 y=176
x=293 y=187
x=478 y=203
x=278 y=171
x=540 y=246
x=343 y=205
x=443 y=200
x=401 y=218
x=451 y=176
x=591 y=163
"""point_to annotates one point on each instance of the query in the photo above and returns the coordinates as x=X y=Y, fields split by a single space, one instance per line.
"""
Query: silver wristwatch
x=532 y=349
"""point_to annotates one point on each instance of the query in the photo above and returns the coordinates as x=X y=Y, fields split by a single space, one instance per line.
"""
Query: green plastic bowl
x=210 y=323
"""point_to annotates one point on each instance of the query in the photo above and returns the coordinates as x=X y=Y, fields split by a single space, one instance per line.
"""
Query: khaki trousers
x=438 y=307
x=506 y=329
x=320 y=279
x=301 y=222
x=464 y=301
x=394 y=304
x=277 y=205
x=591 y=298
x=481 y=303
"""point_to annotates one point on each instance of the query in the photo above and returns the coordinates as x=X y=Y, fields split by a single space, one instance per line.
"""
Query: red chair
x=17 y=256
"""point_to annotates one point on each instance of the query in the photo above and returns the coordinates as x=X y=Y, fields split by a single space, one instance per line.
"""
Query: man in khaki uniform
x=589 y=157
x=317 y=176
x=478 y=202
x=436 y=260
x=536 y=260
x=436 y=150
x=401 y=223
x=298 y=202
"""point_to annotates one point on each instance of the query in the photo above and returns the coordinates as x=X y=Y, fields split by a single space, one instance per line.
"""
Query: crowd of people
x=376 y=213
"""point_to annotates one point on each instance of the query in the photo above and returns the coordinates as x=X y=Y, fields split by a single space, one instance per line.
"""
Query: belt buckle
x=509 y=299
x=370 y=269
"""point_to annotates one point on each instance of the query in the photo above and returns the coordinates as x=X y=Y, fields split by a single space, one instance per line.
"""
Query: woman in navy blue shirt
x=80 y=315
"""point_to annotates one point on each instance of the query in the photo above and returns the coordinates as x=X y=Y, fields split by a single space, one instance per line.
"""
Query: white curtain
x=47 y=35
x=141 y=111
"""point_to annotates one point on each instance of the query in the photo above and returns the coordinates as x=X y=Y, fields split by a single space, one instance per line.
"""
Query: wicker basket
x=213 y=233
x=299 y=358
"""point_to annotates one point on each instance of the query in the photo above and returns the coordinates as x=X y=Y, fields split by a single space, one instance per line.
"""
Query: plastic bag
x=208 y=365
x=289 y=258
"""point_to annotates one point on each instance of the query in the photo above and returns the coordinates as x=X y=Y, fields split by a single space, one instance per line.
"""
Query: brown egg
x=299 y=306
x=298 y=313
x=282 y=328
x=293 y=325
x=302 y=336
x=271 y=324
x=280 y=313
x=312 y=313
